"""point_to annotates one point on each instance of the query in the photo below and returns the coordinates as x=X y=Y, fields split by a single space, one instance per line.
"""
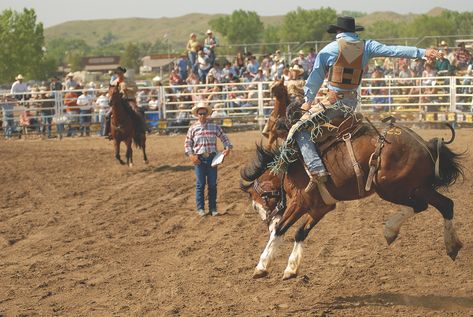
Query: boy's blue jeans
x=206 y=175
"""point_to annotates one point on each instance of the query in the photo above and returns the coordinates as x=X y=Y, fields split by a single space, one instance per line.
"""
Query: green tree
x=107 y=39
x=21 y=44
x=131 y=57
x=240 y=27
x=307 y=25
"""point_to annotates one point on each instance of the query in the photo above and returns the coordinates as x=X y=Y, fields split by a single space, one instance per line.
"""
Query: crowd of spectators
x=431 y=89
x=196 y=75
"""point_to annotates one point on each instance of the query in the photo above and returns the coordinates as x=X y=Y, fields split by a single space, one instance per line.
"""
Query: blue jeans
x=206 y=174
x=8 y=124
x=309 y=153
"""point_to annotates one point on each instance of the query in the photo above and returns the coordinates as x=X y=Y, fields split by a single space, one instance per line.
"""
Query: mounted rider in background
x=344 y=61
x=128 y=89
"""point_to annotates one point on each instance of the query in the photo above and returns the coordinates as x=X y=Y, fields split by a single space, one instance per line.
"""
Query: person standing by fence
x=7 y=104
x=201 y=147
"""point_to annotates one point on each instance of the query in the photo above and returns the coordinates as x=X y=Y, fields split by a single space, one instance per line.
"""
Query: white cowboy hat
x=18 y=77
x=70 y=75
x=209 y=31
x=301 y=52
x=296 y=68
x=201 y=105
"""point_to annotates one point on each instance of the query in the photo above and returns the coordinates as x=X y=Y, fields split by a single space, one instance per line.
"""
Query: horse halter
x=280 y=195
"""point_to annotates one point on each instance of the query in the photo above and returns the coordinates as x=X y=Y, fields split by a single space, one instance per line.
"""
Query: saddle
x=333 y=131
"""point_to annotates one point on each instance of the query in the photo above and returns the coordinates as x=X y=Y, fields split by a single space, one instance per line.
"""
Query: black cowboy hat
x=120 y=69
x=346 y=24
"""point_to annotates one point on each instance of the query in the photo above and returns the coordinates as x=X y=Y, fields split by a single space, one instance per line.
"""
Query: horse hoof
x=390 y=236
x=454 y=252
x=288 y=275
x=259 y=273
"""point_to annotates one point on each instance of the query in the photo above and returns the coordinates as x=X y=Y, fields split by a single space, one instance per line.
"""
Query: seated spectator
x=227 y=70
x=405 y=75
x=218 y=111
x=183 y=117
x=174 y=80
x=462 y=57
x=239 y=64
x=252 y=67
x=428 y=83
x=216 y=72
x=418 y=67
x=192 y=81
x=442 y=64
x=381 y=98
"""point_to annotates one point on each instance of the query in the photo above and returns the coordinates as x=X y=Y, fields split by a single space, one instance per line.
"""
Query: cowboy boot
x=265 y=131
x=316 y=178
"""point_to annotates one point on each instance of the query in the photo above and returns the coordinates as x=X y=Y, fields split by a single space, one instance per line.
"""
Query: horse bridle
x=267 y=195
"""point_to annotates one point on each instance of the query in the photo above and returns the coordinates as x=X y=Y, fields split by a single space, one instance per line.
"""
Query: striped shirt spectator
x=202 y=138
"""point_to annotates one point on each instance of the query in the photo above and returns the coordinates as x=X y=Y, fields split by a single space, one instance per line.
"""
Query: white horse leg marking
x=394 y=223
x=259 y=209
x=294 y=261
x=452 y=243
x=267 y=255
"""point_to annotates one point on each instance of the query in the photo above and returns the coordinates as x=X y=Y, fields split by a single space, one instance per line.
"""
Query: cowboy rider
x=128 y=90
x=344 y=60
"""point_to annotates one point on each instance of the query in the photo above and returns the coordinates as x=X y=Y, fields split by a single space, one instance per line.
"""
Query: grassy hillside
x=140 y=29
x=177 y=29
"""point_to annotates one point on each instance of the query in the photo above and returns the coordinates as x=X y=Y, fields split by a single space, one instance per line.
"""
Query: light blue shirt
x=328 y=55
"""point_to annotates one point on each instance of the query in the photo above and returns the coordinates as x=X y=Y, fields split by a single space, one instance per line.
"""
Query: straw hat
x=201 y=105
x=209 y=31
x=70 y=75
x=19 y=77
x=301 y=52
x=296 y=68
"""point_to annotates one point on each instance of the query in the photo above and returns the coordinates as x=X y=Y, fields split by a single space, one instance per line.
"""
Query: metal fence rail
x=244 y=105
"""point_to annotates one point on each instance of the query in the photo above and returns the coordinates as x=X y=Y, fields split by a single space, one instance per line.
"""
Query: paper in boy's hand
x=218 y=159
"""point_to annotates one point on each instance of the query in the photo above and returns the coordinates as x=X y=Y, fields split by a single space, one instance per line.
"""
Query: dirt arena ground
x=82 y=236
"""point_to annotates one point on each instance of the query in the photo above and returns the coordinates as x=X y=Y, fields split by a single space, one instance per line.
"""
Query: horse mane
x=255 y=168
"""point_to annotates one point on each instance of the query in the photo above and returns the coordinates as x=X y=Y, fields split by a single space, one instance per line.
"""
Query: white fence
x=245 y=105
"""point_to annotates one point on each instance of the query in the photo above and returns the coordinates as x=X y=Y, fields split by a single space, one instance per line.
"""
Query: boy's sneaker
x=201 y=212
x=214 y=213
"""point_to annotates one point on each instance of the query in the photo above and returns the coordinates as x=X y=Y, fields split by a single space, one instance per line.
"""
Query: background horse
x=276 y=121
x=123 y=127
x=405 y=177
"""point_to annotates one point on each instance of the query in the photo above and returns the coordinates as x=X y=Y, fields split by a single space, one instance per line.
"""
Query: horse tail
x=139 y=139
x=449 y=162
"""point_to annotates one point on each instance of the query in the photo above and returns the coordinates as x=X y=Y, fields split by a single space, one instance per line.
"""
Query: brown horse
x=405 y=177
x=123 y=127
x=276 y=120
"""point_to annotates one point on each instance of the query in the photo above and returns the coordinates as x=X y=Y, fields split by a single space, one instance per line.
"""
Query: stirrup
x=316 y=178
